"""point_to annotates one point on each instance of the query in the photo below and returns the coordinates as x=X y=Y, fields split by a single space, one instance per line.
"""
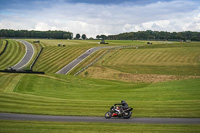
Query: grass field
x=13 y=54
x=174 y=59
x=69 y=95
x=2 y=44
x=174 y=67
x=50 y=92
x=53 y=58
x=92 y=43
x=69 y=127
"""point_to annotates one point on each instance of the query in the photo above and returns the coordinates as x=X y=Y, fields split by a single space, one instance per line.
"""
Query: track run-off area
x=29 y=117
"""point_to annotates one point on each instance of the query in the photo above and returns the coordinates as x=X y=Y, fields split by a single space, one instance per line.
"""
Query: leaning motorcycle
x=115 y=112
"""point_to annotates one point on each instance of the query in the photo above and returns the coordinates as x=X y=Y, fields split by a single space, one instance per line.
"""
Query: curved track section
x=27 y=57
x=27 y=117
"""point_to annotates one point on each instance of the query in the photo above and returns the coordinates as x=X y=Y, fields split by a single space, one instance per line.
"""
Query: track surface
x=27 y=57
x=27 y=117
x=78 y=60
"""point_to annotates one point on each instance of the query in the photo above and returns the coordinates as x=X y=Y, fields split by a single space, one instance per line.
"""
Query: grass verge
x=70 y=127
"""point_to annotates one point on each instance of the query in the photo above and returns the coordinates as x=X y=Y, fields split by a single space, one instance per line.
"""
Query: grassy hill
x=13 y=54
x=55 y=57
x=69 y=95
x=2 y=44
x=161 y=80
x=181 y=59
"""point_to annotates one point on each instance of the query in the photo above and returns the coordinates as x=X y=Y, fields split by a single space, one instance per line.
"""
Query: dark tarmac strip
x=28 y=117
x=27 y=57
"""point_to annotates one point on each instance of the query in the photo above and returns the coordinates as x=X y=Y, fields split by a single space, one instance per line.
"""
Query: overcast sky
x=96 y=17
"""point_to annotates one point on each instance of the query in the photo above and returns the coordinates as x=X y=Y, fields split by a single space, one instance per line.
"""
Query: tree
x=97 y=36
x=103 y=36
x=78 y=36
x=36 y=34
x=84 y=36
x=65 y=36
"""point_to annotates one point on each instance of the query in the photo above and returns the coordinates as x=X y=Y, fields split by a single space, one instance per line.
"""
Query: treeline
x=35 y=34
x=154 y=35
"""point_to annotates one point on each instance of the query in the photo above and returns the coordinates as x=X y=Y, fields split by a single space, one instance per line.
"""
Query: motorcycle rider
x=124 y=105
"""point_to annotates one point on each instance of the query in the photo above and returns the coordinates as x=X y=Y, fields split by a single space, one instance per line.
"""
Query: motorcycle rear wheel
x=108 y=115
x=127 y=115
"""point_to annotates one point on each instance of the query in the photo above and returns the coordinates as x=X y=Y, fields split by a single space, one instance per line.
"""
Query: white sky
x=96 y=19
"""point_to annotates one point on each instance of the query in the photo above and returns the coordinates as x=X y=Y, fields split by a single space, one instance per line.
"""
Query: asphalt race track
x=28 y=117
x=78 y=60
x=27 y=57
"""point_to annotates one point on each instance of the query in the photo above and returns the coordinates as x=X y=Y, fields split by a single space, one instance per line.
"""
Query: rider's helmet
x=123 y=101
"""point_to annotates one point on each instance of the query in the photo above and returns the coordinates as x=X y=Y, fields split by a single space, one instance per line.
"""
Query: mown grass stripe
x=173 y=55
x=168 y=55
x=10 y=87
x=50 y=51
x=18 y=54
x=2 y=45
x=59 y=62
x=65 y=59
x=8 y=54
x=5 y=81
x=58 y=59
x=15 y=56
x=12 y=55
x=45 y=63
x=51 y=54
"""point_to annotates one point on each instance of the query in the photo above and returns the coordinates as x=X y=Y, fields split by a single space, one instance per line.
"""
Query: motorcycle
x=115 y=112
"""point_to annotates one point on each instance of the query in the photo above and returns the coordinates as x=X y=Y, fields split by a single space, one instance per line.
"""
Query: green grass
x=88 y=61
x=2 y=44
x=69 y=95
x=168 y=60
x=69 y=127
x=54 y=94
x=52 y=59
x=91 y=43
x=13 y=54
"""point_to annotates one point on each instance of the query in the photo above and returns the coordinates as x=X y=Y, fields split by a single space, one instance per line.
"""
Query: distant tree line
x=154 y=35
x=35 y=34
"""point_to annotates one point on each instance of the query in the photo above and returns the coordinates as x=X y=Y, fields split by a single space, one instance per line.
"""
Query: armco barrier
x=4 y=47
x=31 y=72
x=31 y=67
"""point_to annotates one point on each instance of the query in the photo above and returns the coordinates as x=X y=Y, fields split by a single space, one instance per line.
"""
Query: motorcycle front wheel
x=108 y=115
